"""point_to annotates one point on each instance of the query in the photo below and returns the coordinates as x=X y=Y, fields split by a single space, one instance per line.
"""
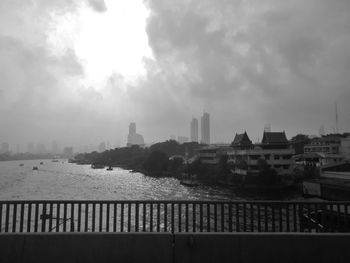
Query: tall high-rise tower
x=194 y=130
x=205 y=128
x=133 y=137
x=132 y=128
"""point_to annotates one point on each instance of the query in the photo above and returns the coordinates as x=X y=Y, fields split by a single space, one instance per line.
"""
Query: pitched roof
x=241 y=139
x=274 y=138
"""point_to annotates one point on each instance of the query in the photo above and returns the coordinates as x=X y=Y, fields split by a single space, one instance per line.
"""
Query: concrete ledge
x=262 y=247
x=92 y=247
x=182 y=247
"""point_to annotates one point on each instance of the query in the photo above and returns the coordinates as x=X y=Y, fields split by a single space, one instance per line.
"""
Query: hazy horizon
x=78 y=72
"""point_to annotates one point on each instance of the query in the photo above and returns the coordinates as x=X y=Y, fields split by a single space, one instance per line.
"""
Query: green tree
x=156 y=162
x=267 y=175
x=176 y=164
x=223 y=167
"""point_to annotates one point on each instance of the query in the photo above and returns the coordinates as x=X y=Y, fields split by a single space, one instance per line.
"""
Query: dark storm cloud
x=246 y=62
x=279 y=62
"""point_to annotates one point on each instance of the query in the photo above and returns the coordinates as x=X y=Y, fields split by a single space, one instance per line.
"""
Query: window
x=254 y=157
x=276 y=157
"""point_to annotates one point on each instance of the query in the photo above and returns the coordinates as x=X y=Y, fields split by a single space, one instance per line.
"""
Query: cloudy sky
x=78 y=71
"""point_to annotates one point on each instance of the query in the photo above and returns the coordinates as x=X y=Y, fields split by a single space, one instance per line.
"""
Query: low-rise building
x=212 y=154
x=324 y=152
x=323 y=160
x=274 y=149
x=182 y=139
x=345 y=148
x=329 y=145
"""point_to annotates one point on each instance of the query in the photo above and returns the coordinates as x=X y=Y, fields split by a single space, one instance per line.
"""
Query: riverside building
x=345 y=148
x=133 y=137
x=274 y=149
x=324 y=152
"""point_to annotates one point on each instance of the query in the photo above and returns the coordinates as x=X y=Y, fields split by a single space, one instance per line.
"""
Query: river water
x=65 y=181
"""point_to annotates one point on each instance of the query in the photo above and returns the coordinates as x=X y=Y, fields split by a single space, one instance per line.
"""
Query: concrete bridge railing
x=173 y=216
x=173 y=248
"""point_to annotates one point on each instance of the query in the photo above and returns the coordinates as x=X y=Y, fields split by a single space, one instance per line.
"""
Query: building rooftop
x=273 y=138
x=241 y=140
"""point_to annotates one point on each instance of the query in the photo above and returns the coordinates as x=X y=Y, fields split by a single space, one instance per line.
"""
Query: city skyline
x=53 y=147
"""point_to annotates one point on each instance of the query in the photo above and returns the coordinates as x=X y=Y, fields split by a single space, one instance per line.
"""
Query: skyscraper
x=132 y=128
x=133 y=137
x=194 y=130
x=205 y=128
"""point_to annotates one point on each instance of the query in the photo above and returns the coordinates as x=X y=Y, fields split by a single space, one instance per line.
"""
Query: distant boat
x=21 y=164
x=41 y=163
x=54 y=160
x=188 y=180
x=81 y=162
x=35 y=168
x=97 y=166
x=189 y=183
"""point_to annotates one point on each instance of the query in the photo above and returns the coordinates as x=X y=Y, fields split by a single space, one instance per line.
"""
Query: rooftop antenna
x=336 y=118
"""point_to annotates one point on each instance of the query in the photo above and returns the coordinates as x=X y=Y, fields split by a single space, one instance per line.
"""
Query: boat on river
x=189 y=180
x=82 y=162
x=97 y=166
x=189 y=183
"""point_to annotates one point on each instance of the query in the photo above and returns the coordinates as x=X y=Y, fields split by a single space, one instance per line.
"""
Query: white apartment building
x=274 y=149
x=329 y=145
x=345 y=148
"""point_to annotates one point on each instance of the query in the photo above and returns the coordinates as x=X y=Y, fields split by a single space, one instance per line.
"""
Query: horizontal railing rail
x=173 y=216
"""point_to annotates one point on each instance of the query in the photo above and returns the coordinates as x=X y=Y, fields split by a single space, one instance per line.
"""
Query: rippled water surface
x=62 y=180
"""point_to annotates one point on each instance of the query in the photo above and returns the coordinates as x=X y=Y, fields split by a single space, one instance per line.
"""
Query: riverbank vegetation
x=161 y=159
x=171 y=159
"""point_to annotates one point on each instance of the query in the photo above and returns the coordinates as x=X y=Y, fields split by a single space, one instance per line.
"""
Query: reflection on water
x=65 y=181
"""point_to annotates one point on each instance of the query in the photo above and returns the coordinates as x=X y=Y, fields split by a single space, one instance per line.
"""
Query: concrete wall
x=85 y=248
x=146 y=247
x=270 y=247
